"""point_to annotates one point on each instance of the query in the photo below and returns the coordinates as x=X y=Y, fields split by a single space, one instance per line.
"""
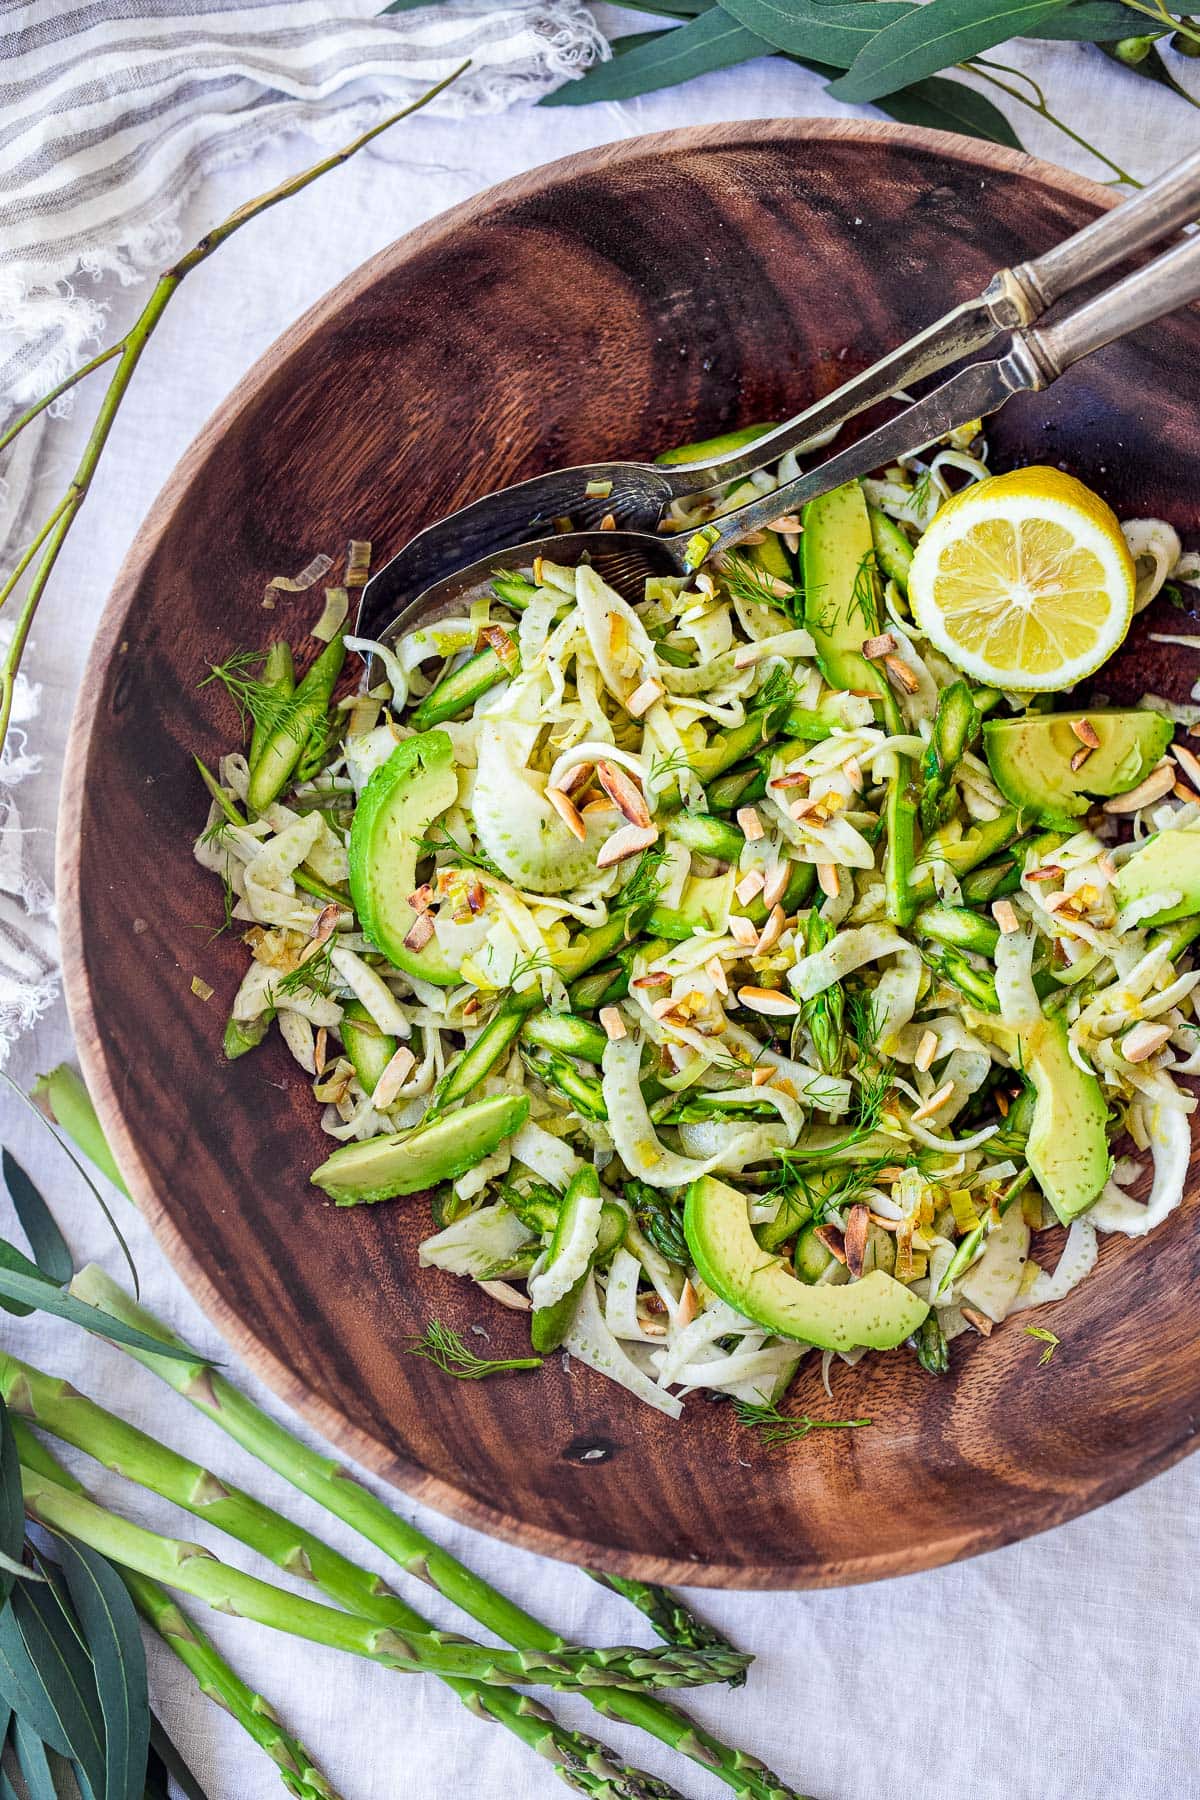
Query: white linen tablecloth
x=1064 y=1666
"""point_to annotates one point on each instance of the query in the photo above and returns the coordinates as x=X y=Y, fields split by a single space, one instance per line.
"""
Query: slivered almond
x=568 y=812
x=1086 y=732
x=852 y=770
x=1159 y=782
x=1185 y=794
x=507 y=1295
x=876 y=647
x=743 y=931
x=854 y=1240
x=794 y=778
x=395 y=1073
x=893 y=1172
x=900 y=675
x=1050 y=872
x=644 y=697
x=1055 y=903
x=934 y=1103
x=775 y=885
x=476 y=897
x=980 y=1321
x=1002 y=1103
x=608 y=522
x=750 y=823
x=714 y=968
x=662 y=1007
x=419 y=932
x=831 y=1237
x=1143 y=1041
x=771 y=932
x=323 y=929
x=624 y=792
x=827 y=880
x=497 y=639
x=1188 y=762
x=705 y=584
x=1005 y=915
x=927 y=1050
x=320 y=1048
x=421 y=898
x=803 y=809
x=1080 y=757
x=575 y=777
x=651 y=979
x=597 y=804
x=751 y=884
x=470 y=1006
x=613 y=1023
x=760 y=1076
x=768 y=1001
x=688 y=1306
x=627 y=841
x=784 y=523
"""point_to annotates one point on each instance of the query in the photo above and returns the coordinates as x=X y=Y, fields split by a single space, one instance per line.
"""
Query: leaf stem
x=56 y=393
x=981 y=66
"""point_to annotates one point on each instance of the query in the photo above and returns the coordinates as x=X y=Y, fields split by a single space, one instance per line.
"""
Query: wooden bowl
x=612 y=304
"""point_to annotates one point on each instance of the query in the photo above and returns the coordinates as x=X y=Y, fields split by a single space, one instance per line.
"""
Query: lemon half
x=1024 y=580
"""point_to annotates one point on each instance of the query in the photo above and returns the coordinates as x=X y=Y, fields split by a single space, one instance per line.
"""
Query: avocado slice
x=403 y=1162
x=1168 y=863
x=709 y=449
x=1068 y=1137
x=1030 y=758
x=875 y=1311
x=397 y=806
x=841 y=599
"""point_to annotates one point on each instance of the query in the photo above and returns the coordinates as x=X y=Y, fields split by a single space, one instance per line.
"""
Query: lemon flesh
x=1024 y=580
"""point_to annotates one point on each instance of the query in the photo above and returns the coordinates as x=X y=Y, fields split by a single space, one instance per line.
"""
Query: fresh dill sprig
x=677 y=763
x=528 y=965
x=316 y=974
x=920 y=494
x=228 y=902
x=745 y=581
x=259 y=702
x=775 y=1428
x=645 y=883
x=779 y=689
x=1048 y=1338
x=471 y=859
x=864 y=597
x=446 y=1350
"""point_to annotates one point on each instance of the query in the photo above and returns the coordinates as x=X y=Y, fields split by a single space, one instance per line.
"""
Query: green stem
x=128 y=353
x=62 y=1095
x=330 y=1485
x=198 y=1654
x=56 y=393
x=671 y=1617
x=980 y=66
x=900 y=814
x=1162 y=17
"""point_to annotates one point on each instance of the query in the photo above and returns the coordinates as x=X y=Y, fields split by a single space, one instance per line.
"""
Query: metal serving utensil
x=637 y=494
x=1035 y=358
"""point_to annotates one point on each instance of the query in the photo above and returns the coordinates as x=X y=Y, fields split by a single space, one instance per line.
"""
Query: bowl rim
x=383 y=1460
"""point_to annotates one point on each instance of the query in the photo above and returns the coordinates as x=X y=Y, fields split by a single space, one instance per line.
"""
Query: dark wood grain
x=620 y=301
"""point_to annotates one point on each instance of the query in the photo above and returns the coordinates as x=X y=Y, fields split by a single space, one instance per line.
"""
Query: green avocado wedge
x=841 y=600
x=876 y=1311
x=1168 y=863
x=1031 y=757
x=1068 y=1136
x=405 y=1162
x=397 y=806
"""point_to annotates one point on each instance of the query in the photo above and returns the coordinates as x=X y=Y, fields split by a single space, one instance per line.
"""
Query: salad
x=772 y=964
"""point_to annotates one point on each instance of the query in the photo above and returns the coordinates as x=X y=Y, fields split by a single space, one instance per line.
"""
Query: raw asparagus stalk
x=63 y=1097
x=567 y=1035
x=192 y=1569
x=959 y=927
x=328 y=1483
x=198 y=1654
x=978 y=845
x=900 y=813
x=671 y=1617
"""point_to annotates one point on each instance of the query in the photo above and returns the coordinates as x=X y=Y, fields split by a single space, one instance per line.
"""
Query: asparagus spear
x=955 y=729
x=977 y=984
x=195 y=1651
x=900 y=813
x=983 y=841
x=327 y=1482
x=59 y=1409
x=824 y=1014
x=457 y=693
x=194 y=1570
x=566 y=1034
x=62 y=1095
x=959 y=927
x=674 y=1621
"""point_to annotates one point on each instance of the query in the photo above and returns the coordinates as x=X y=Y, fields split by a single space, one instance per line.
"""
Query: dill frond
x=446 y=1350
x=775 y=1429
x=258 y=702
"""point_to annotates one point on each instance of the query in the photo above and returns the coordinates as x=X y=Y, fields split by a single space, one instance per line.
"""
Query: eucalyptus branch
x=127 y=351
x=1161 y=16
x=980 y=65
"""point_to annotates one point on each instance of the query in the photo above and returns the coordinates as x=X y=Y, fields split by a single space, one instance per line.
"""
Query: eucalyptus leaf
x=835 y=32
x=65 y=1674
x=110 y=1626
x=33 y=1763
x=18 y=1570
x=20 y=1687
x=23 y=1282
x=12 y=1506
x=50 y=1251
x=16 y=1260
x=711 y=41
x=1097 y=22
x=950 y=106
x=933 y=37
x=634 y=40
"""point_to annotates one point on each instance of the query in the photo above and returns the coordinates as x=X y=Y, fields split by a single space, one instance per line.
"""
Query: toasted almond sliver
x=852 y=770
x=1188 y=762
x=568 y=812
x=1086 y=732
x=608 y=522
x=624 y=792
x=760 y=1076
x=1143 y=1041
x=900 y=675
x=1080 y=757
x=575 y=777
x=743 y=931
x=321 y=1051
x=1050 y=872
x=794 y=778
x=800 y=809
x=858 y=1226
x=644 y=697
x=831 y=1237
x=1060 y=902
x=627 y=841
x=768 y=1001
x=714 y=968
x=751 y=885
x=775 y=885
x=1185 y=794
x=751 y=824
x=785 y=522
x=689 y=1305
x=651 y=979
x=613 y=1023
x=499 y=640
x=747 y=656
x=927 y=1050
x=395 y=1073
x=662 y=1007
x=1005 y=915
x=827 y=880
x=934 y=1103
x=980 y=1321
x=421 y=898
x=771 y=932
x=597 y=804
x=876 y=647
x=419 y=932
x=1159 y=782
x=507 y=1295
